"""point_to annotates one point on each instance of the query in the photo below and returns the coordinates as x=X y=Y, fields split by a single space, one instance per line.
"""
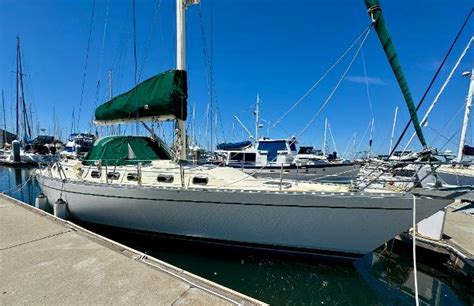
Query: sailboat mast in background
x=257 y=117
x=467 y=114
x=20 y=93
x=393 y=129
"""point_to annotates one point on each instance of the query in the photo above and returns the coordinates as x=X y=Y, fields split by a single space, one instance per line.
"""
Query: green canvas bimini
x=162 y=97
x=126 y=150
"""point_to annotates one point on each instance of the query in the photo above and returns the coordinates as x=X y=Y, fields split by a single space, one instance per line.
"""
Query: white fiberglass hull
x=336 y=223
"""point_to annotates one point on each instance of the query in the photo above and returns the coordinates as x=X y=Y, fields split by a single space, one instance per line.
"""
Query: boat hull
x=456 y=179
x=336 y=223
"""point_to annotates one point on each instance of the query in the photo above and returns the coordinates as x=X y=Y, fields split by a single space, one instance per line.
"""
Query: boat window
x=132 y=176
x=163 y=178
x=250 y=157
x=113 y=175
x=236 y=156
x=200 y=180
x=243 y=157
x=95 y=174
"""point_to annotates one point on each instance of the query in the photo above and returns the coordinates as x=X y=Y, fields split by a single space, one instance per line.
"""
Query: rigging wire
x=425 y=117
x=367 y=83
x=370 y=103
x=104 y=35
x=448 y=140
x=435 y=76
x=134 y=19
x=208 y=63
x=357 y=151
x=332 y=138
x=308 y=92
x=449 y=123
x=149 y=38
x=337 y=84
x=84 y=75
x=349 y=146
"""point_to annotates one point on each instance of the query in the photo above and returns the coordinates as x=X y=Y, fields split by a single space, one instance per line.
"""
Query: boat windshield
x=272 y=147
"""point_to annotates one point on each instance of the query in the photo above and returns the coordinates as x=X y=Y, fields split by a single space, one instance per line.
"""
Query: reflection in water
x=392 y=280
x=18 y=183
x=373 y=280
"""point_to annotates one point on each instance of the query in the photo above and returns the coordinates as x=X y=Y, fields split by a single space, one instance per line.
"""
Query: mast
x=193 y=125
x=4 y=116
x=393 y=129
x=181 y=65
x=325 y=136
x=257 y=117
x=467 y=114
x=4 y=120
x=55 y=128
x=20 y=91
x=371 y=136
x=72 y=121
x=17 y=131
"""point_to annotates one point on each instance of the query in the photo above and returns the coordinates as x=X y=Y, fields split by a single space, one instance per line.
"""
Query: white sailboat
x=133 y=183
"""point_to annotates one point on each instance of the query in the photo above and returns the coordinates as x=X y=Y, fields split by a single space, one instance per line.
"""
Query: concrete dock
x=457 y=244
x=46 y=260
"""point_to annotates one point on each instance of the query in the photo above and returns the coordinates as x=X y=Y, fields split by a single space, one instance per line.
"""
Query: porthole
x=132 y=176
x=165 y=178
x=113 y=175
x=200 y=180
x=95 y=174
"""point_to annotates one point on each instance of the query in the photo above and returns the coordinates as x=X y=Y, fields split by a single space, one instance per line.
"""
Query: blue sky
x=275 y=48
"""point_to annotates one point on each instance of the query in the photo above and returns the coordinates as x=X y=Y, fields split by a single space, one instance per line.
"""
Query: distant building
x=6 y=137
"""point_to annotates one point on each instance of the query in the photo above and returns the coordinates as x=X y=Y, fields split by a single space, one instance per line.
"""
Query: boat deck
x=46 y=260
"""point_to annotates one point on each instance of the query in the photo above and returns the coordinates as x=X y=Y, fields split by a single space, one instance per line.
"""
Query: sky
x=277 y=49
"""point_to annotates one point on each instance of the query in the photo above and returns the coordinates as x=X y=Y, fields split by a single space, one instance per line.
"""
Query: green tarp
x=161 y=97
x=125 y=150
x=375 y=12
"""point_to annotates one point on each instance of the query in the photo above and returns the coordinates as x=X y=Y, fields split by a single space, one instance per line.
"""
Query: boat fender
x=60 y=209
x=40 y=202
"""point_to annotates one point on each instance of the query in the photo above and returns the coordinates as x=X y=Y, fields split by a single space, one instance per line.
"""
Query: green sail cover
x=375 y=12
x=125 y=150
x=162 y=97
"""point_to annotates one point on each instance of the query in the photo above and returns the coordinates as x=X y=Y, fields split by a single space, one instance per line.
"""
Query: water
x=372 y=280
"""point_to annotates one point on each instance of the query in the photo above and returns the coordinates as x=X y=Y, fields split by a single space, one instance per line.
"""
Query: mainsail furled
x=375 y=12
x=162 y=97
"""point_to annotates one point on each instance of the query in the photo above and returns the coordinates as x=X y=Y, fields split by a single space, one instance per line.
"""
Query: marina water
x=375 y=279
